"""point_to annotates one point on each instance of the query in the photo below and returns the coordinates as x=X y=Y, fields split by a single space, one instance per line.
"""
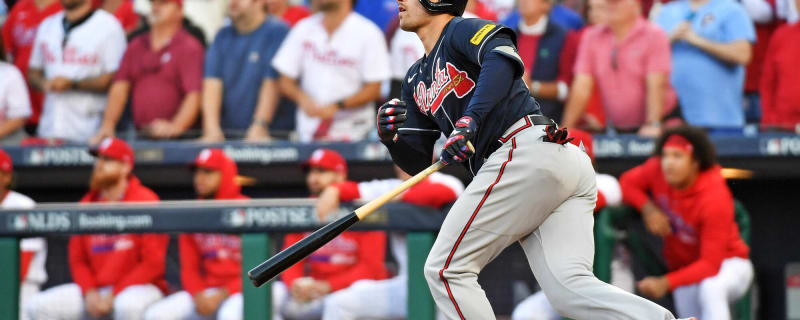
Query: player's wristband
x=340 y=105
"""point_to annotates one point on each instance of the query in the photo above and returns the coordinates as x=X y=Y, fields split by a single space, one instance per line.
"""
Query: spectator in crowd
x=291 y=14
x=405 y=49
x=340 y=59
x=123 y=11
x=595 y=12
x=3 y=12
x=780 y=81
x=609 y=193
x=211 y=264
x=684 y=199
x=15 y=105
x=115 y=275
x=542 y=44
x=74 y=58
x=762 y=12
x=161 y=74
x=350 y=257
x=18 y=34
x=559 y=14
x=387 y=297
x=628 y=58
x=711 y=44
x=380 y=12
x=240 y=90
x=33 y=251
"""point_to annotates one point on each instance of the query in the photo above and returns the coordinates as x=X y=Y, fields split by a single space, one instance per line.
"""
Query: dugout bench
x=257 y=221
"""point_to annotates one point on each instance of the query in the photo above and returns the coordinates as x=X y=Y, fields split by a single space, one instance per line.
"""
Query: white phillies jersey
x=92 y=48
x=14 y=100
x=406 y=49
x=36 y=273
x=334 y=67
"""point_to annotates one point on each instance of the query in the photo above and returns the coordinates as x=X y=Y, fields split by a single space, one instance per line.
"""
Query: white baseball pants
x=711 y=298
x=180 y=306
x=65 y=302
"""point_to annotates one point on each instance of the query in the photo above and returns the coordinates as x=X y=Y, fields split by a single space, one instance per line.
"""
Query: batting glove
x=555 y=134
x=391 y=116
x=456 y=149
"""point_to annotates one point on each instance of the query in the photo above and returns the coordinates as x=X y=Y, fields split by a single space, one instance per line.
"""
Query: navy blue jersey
x=438 y=87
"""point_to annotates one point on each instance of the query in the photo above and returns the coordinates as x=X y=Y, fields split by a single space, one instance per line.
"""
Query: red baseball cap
x=585 y=138
x=5 y=162
x=114 y=148
x=212 y=159
x=326 y=159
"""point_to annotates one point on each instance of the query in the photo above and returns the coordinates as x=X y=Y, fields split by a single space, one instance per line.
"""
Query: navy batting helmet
x=454 y=7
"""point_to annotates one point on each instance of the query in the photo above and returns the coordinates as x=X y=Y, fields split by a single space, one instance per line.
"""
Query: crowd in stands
x=314 y=70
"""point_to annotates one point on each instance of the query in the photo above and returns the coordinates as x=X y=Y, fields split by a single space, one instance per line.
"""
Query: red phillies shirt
x=119 y=260
x=161 y=79
x=780 y=81
x=704 y=232
x=19 y=31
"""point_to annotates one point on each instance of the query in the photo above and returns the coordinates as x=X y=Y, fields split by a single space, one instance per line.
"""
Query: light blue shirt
x=709 y=90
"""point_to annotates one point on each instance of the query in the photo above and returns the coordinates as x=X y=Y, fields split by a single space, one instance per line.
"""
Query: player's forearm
x=656 y=85
x=291 y=90
x=99 y=84
x=36 y=79
x=327 y=202
x=368 y=93
x=211 y=103
x=738 y=52
x=545 y=90
x=493 y=84
x=9 y=126
x=581 y=91
x=267 y=102
x=117 y=97
x=187 y=114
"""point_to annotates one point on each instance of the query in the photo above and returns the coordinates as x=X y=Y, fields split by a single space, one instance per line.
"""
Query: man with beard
x=211 y=264
x=75 y=55
x=116 y=275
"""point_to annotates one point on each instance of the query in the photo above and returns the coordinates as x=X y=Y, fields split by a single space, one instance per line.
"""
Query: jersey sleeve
x=17 y=102
x=213 y=63
x=288 y=60
x=636 y=183
x=374 y=65
x=114 y=49
x=472 y=38
x=278 y=35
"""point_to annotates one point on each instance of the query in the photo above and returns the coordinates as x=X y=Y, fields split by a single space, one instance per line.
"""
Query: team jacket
x=213 y=260
x=704 y=232
x=438 y=90
x=119 y=260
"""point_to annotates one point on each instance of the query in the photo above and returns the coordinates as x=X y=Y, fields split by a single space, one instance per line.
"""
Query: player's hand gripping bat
x=288 y=257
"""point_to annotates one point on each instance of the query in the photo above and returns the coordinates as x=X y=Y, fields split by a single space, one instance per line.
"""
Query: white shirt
x=406 y=49
x=334 y=67
x=92 y=49
x=14 y=100
x=36 y=272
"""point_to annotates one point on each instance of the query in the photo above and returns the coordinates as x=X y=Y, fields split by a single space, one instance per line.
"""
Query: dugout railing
x=258 y=222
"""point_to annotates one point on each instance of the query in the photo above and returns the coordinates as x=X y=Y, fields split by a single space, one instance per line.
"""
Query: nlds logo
x=446 y=80
x=40 y=221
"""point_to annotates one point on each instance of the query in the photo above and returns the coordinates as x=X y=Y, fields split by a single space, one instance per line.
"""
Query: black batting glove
x=456 y=149
x=555 y=134
x=391 y=116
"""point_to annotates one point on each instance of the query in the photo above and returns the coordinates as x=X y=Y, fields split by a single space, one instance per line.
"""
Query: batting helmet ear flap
x=454 y=7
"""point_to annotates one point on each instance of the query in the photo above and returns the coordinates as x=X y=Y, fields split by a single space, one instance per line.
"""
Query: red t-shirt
x=19 y=31
x=119 y=260
x=126 y=16
x=295 y=14
x=704 y=232
x=161 y=79
x=780 y=81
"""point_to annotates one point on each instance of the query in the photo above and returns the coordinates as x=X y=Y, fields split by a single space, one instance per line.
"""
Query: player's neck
x=162 y=34
x=79 y=12
x=429 y=34
x=622 y=29
x=115 y=192
x=41 y=4
x=331 y=20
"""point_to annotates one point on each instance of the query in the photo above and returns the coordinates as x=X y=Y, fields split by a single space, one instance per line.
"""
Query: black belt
x=531 y=120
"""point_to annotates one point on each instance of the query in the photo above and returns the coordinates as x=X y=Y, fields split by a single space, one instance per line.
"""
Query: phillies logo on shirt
x=447 y=80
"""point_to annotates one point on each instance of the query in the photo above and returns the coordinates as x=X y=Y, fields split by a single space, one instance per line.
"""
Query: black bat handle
x=288 y=257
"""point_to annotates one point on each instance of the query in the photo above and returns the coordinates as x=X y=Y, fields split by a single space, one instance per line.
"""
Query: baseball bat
x=283 y=260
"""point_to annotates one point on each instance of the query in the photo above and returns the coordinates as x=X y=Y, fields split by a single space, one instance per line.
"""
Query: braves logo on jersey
x=446 y=80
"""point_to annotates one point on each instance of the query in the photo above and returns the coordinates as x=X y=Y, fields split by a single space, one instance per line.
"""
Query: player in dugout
x=352 y=256
x=684 y=199
x=115 y=275
x=211 y=264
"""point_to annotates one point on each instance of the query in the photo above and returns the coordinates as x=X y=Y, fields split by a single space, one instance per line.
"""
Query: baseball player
x=211 y=264
x=115 y=275
x=528 y=185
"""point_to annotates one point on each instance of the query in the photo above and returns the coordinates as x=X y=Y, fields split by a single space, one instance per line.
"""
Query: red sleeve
x=296 y=271
x=191 y=67
x=348 y=191
x=79 y=264
x=153 y=251
x=124 y=73
x=637 y=181
x=430 y=194
x=569 y=53
x=715 y=227
x=769 y=83
x=191 y=262
x=371 y=257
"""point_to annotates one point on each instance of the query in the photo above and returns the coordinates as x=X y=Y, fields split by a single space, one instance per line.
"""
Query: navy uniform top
x=438 y=89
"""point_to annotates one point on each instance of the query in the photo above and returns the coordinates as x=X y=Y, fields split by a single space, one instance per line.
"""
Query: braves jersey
x=438 y=87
